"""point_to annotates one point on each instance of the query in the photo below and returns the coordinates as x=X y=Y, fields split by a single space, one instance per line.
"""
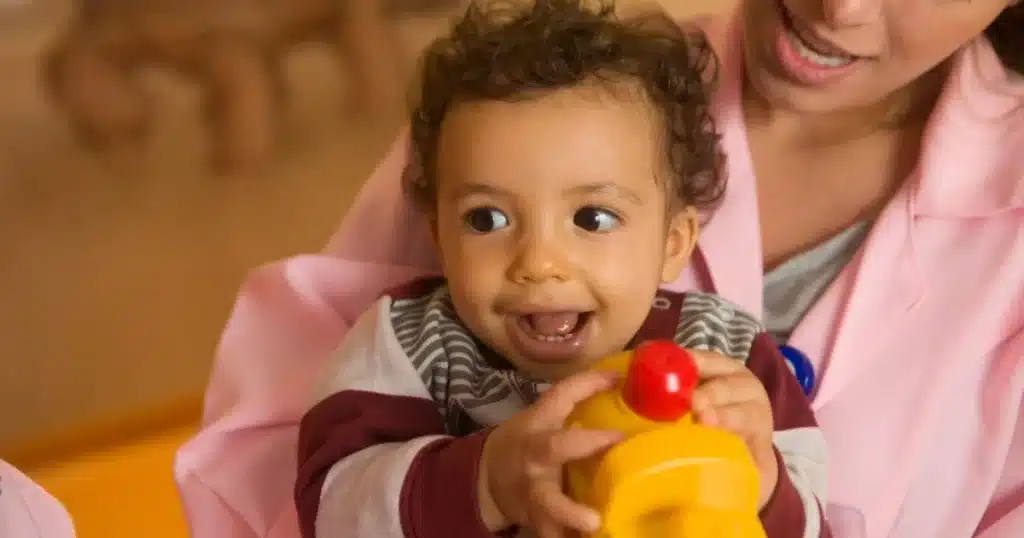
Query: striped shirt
x=392 y=442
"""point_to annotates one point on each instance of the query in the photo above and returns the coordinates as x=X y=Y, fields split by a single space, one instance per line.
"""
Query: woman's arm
x=382 y=226
x=235 y=477
x=1005 y=515
x=27 y=511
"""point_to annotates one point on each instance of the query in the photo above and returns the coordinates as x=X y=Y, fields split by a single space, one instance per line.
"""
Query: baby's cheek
x=631 y=305
x=618 y=327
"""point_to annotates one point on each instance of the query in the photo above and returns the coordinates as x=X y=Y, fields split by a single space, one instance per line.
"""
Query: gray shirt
x=791 y=289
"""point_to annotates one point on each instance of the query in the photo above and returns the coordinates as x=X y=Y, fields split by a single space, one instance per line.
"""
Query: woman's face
x=821 y=56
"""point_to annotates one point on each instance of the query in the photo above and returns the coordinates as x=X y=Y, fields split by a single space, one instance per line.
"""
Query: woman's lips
x=807 y=58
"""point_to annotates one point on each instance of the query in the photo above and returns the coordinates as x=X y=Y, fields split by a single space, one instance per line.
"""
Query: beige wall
x=114 y=288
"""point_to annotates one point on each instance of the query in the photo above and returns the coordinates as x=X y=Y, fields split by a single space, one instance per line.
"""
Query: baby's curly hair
x=512 y=52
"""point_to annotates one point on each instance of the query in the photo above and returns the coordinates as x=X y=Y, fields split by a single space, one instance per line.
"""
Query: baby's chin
x=554 y=373
x=556 y=370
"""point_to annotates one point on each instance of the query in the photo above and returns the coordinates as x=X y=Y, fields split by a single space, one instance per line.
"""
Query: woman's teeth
x=813 y=56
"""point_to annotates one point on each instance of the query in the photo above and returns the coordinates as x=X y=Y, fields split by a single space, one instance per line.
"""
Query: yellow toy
x=670 y=477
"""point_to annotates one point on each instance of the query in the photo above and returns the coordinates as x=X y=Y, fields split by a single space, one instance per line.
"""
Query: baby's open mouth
x=553 y=326
x=550 y=336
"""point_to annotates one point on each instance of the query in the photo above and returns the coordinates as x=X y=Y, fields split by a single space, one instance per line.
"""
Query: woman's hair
x=1007 y=36
x=505 y=52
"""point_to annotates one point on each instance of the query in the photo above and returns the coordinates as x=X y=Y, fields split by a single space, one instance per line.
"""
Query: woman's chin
x=772 y=92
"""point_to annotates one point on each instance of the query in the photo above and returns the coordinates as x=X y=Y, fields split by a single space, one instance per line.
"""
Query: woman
x=874 y=216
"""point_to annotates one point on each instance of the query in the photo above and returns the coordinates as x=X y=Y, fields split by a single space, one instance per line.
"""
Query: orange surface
x=124 y=492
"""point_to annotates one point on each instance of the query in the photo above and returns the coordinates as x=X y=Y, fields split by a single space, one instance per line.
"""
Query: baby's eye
x=485 y=219
x=595 y=219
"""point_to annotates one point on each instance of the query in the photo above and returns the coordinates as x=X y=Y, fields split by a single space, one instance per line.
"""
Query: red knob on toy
x=660 y=381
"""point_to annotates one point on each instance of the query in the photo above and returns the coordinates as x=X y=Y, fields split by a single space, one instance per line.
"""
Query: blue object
x=801 y=367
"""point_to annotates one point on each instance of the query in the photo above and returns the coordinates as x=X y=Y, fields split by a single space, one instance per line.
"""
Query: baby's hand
x=732 y=398
x=521 y=470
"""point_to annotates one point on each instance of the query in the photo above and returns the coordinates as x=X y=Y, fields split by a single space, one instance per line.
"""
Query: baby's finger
x=559 y=511
x=544 y=527
x=748 y=420
x=714 y=365
x=562 y=446
x=555 y=405
x=727 y=390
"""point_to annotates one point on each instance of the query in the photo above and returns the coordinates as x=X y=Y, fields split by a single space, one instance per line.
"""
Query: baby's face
x=553 y=226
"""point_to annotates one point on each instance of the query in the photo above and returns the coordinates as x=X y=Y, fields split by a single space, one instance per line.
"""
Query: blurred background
x=118 y=270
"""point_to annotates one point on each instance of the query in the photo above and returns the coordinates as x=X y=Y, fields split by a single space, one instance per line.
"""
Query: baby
x=563 y=157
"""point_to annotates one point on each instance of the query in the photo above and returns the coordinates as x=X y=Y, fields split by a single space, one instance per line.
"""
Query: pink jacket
x=26 y=511
x=918 y=344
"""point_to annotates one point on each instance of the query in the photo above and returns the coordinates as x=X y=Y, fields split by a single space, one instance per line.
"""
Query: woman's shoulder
x=987 y=84
x=970 y=162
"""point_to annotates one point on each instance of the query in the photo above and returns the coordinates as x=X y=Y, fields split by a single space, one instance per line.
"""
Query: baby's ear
x=680 y=240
